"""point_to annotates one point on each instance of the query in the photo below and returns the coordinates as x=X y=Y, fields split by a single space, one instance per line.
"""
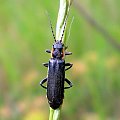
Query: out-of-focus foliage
x=25 y=34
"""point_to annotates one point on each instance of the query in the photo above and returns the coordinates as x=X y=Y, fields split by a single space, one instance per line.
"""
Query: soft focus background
x=25 y=34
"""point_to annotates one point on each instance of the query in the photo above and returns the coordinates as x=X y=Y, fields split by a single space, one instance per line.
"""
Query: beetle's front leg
x=69 y=83
x=48 y=51
x=42 y=82
x=45 y=64
x=68 y=53
x=68 y=64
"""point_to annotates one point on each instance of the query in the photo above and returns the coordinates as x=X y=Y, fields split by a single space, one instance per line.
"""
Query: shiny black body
x=56 y=75
x=56 y=72
x=55 y=84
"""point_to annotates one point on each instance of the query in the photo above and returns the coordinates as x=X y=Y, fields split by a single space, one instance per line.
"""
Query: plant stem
x=51 y=114
x=62 y=14
x=54 y=114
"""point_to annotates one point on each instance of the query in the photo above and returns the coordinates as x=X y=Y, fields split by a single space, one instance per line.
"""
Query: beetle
x=56 y=73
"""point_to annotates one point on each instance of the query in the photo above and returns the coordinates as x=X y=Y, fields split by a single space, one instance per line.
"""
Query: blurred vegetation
x=25 y=34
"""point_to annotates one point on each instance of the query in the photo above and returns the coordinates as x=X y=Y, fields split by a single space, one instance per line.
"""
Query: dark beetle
x=56 y=74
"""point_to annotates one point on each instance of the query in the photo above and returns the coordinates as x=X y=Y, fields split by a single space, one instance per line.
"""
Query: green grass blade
x=54 y=114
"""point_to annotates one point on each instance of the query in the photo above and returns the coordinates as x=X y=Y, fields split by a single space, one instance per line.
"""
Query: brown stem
x=97 y=26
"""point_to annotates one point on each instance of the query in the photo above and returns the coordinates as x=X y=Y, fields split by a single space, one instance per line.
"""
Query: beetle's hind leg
x=42 y=82
x=45 y=64
x=48 y=51
x=69 y=83
x=68 y=64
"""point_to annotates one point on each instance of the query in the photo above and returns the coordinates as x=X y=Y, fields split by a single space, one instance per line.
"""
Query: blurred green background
x=25 y=34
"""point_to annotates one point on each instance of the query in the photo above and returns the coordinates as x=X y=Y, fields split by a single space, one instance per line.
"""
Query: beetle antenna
x=65 y=22
x=52 y=30
x=51 y=26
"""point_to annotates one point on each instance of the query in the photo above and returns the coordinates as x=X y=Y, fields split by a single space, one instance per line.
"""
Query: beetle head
x=58 y=49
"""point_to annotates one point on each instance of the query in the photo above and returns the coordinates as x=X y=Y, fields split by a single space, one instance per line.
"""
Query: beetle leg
x=42 y=82
x=69 y=82
x=68 y=53
x=45 y=64
x=48 y=51
x=66 y=47
x=68 y=64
